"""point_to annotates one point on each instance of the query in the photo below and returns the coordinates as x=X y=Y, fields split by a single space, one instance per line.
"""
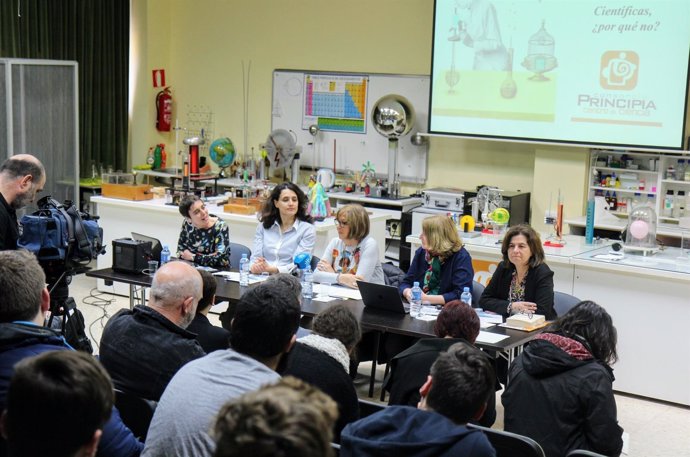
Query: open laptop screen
x=156 y=247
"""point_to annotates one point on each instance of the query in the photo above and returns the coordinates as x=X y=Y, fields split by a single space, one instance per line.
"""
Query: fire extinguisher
x=164 y=110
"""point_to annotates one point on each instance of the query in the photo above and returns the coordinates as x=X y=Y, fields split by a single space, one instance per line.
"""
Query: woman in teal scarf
x=442 y=266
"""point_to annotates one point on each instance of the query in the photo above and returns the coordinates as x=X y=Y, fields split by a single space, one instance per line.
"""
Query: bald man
x=144 y=347
x=22 y=176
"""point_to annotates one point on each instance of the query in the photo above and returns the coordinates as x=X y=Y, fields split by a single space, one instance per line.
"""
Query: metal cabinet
x=39 y=115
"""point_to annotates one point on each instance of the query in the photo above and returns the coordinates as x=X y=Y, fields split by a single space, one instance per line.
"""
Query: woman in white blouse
x=354 y=255
x=285 y=229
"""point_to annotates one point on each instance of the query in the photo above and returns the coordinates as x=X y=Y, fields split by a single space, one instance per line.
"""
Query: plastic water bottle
x=165 y=255
x=416 y=303
x=308 y=283
x=466 y=296
x=244 y=270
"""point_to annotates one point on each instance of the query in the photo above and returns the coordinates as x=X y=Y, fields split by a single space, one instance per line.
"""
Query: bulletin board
x=341 y=104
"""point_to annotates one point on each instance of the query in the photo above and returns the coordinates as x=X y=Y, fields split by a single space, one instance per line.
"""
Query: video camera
x=64 y=240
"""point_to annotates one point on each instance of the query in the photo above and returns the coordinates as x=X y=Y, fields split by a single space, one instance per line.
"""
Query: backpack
x=58 y=232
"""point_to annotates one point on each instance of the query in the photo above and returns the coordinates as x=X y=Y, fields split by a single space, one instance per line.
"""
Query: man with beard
x=143 y=348
x=21 y=177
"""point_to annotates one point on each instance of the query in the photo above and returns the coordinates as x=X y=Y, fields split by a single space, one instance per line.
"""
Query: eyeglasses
x=340 y=223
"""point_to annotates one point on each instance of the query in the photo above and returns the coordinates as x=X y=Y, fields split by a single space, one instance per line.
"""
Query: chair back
x=392 y=275
x=563 y=302
x=367 y=408
x=236 y=251
x=509 y=444
x=477 y=291
x=136 y=412
x=583 y=453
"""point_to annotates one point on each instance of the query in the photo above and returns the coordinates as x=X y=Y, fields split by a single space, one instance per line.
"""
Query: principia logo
x=619 y=70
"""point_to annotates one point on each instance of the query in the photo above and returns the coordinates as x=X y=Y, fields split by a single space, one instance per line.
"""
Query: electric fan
x=281 y=147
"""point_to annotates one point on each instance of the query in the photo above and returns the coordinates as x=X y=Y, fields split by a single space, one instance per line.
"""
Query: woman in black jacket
x=522 y=282
x=456 y=323
x=560 y=388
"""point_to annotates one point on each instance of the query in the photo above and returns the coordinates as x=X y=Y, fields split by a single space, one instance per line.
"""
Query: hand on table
x=325 y=266
x=187 y=255
x=525 y=307
x=261 y=266
x=349 y=280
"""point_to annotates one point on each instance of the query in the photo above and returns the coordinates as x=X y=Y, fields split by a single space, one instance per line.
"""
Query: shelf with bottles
x=632 y=170
x=622 y=190
x=675 y=182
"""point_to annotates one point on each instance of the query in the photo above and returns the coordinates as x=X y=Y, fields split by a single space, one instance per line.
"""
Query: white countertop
x=360 y=197
x=158 y=205
x=488 y=244
x=669 y=263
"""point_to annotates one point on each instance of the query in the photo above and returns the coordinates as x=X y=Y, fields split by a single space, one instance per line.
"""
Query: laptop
x=380 y=296
x=156 y=247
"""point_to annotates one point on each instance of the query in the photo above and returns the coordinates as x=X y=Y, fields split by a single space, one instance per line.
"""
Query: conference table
x=379 y=321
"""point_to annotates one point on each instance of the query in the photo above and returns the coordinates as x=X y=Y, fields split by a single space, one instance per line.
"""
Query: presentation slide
x=611 y=73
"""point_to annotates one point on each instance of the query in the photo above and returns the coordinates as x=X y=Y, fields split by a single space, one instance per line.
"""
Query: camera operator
x=22 y=176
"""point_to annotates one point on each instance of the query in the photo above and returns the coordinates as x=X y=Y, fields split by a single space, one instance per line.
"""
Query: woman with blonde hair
x=442 y=266
x=353 y=255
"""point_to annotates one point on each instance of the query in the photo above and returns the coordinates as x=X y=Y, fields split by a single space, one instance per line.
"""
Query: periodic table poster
x=340 y=105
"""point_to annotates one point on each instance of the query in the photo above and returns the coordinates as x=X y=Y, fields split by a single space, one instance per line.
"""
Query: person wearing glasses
x=285 y=229
x=442 y=266
x=204 y=237
x=522 y=282
x=354 y=255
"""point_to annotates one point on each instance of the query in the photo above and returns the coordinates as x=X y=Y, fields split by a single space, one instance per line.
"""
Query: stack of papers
x=487 y=320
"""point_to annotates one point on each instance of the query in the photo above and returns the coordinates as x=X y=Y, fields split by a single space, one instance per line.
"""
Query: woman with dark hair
x=286 y=229
x=323 y=360
x=522 y=282
x=204 y=238
x=442 y=266
x=456 y=323
x=560 y=388
x=353 y=255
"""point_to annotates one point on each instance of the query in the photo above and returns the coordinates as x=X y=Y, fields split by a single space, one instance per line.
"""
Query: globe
x=393 y=116
x=222 y=152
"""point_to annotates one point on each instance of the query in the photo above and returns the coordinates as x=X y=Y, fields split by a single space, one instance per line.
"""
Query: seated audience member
x=353 y=255
x=522 y=282
x=67 y=395
x=300 y=422
x=323 y=359
x=456 y=391
x=204 y=238
x=25 y=301
x=442 y=266
x=210 y=337
x=559 y=390
x=262 y=332
x=144 y=347
x=456 y=323
x=285 y=229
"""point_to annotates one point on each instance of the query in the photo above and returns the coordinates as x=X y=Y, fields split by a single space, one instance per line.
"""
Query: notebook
x=156 y=247
x=380 y=296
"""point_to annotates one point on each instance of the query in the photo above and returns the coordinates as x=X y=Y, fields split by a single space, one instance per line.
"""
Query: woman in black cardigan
x=522 y=282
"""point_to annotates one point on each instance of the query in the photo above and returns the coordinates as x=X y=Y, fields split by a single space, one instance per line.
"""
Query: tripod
x=64 y=315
